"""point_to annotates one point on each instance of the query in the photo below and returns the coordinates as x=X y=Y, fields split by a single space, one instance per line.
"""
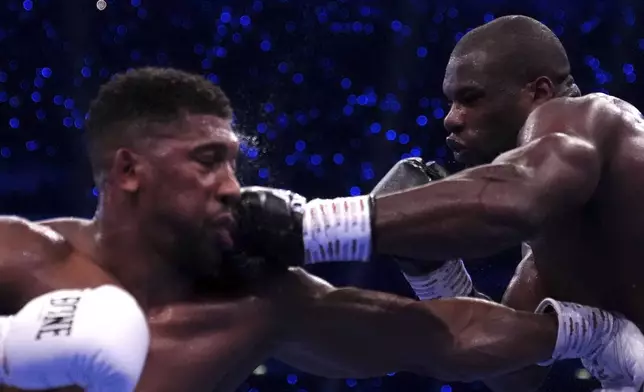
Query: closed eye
x=213 y=154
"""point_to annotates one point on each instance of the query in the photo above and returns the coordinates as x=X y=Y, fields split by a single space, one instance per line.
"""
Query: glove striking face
x=270 y=225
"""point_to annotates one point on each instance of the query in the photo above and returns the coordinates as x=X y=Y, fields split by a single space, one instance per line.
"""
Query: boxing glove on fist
x=405 y=174
x=428 y=280
x=97 y=339
x=270 y=225
x=281 y=227
x=408 y=173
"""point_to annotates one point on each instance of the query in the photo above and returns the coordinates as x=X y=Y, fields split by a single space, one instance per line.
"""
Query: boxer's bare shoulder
x=583 y=118
x=77 y=232
x=37 y=257
x=67 y=225
x=28 y=252
x=28 y=245
x=593 y=117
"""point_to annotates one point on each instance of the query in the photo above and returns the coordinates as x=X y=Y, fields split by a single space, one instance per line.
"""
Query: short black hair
x=524 y=48
x=132 y=100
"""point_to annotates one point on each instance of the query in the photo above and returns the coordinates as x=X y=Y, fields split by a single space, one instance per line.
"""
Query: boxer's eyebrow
x=466 y=93
x=217 y=148
x=211 y=146
x=467 y=89
x=461 y=89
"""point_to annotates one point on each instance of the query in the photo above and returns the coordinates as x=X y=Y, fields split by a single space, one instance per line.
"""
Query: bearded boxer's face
x=189 y=185
x=487 y=111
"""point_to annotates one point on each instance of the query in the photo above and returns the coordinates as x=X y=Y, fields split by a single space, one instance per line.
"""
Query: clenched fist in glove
x=429 y=280
x=281 y=226
x=270 y=225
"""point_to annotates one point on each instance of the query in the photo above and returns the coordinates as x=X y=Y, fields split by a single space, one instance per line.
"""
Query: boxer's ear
x=543 y=89
x=127 y=170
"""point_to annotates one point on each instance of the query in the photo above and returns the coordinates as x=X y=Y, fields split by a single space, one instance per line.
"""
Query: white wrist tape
x=449 y=281
x=582 y=329
x=97 y=339
x=337 y=229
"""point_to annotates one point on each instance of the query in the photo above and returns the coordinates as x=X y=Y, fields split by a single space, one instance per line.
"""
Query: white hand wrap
x=582 y=329
x=97 y=339
x=337 y=229
x=449 y=281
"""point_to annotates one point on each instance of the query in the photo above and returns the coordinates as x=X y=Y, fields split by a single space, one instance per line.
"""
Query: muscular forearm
x=472 y=214
x=369 y=334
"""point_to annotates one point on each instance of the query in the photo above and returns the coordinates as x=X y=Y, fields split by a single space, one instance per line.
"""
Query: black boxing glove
x=278 y=225
x=282 y=228
x=405 y=174
x=269 y=226
x=429 y=280
x=408 y=173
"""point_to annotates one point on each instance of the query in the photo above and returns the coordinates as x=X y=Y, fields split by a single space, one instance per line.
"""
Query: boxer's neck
x=143 y=269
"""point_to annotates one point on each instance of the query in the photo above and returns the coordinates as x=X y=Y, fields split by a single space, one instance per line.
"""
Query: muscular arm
x=348 y=332
x=486 y=209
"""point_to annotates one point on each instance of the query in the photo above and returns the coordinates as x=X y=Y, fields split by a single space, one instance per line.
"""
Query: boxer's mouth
x=454 y=145
x=223 y=227
x=225 y=220
x=458 y=149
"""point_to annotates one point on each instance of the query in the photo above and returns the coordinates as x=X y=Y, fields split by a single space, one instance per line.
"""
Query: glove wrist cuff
x=449 y=281
x=337 y=229
x=581 y=331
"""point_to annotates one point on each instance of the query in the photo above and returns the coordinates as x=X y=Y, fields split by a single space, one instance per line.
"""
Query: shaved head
x=519 y=49
x=497 y=75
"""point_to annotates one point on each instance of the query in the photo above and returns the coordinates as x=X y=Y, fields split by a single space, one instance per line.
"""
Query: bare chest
x=594 y=258
x=206 y=348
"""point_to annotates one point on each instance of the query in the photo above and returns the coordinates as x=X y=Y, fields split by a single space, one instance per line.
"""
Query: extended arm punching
x=475 y=213
x=483 y=210
x=347 y=332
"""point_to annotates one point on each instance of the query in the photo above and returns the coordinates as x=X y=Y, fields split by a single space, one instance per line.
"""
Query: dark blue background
x=328 y=93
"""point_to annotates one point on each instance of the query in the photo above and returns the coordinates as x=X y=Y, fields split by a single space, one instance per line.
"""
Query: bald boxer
x=549 y=167
x=163 y=153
